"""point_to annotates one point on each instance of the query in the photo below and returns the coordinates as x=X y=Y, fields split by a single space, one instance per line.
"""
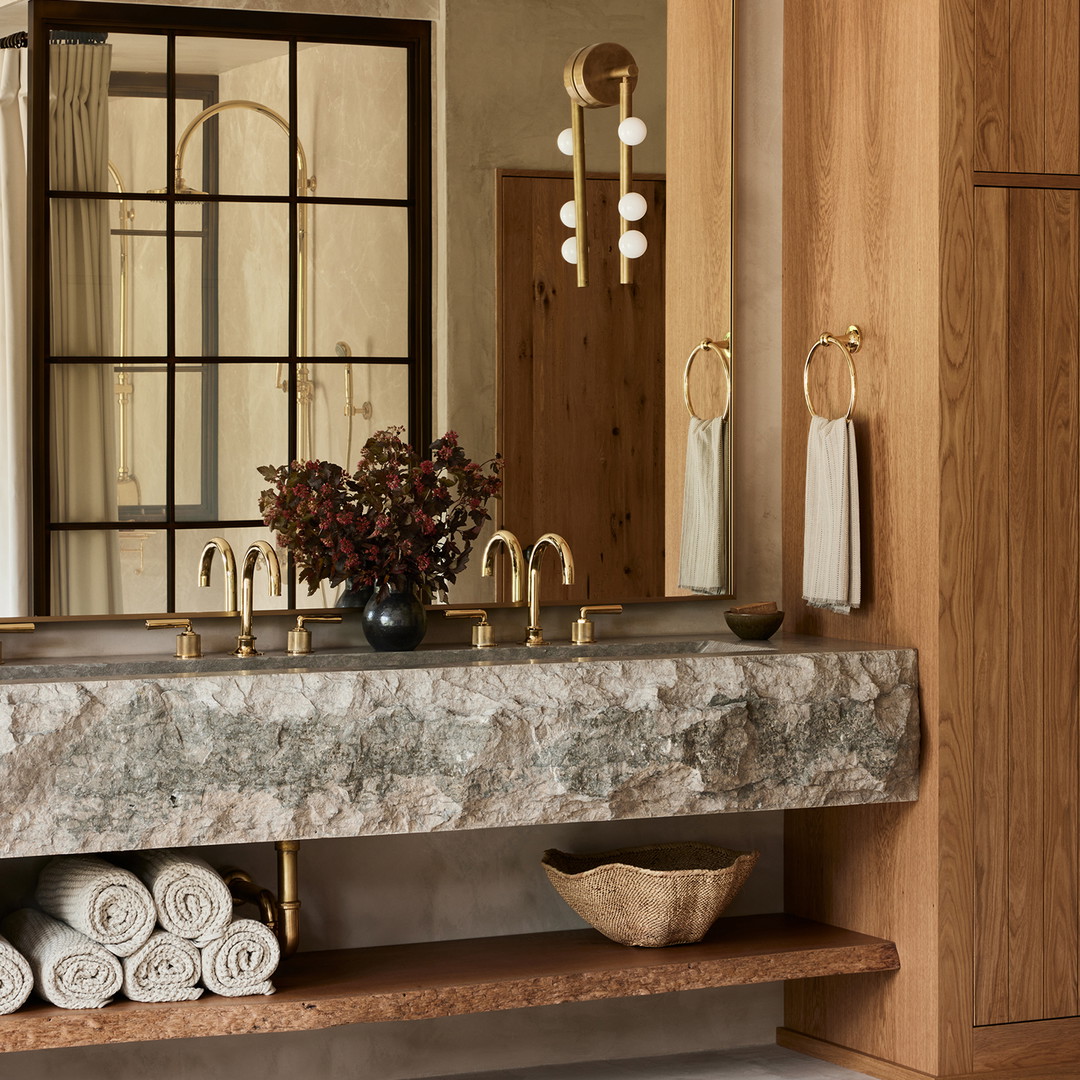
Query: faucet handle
x=188 y=643
x=15 y=628
x=581 y=632
x=483 y=633
x=300 y=635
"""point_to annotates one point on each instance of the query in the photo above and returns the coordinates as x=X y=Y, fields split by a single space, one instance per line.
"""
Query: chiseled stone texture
x=206 y=759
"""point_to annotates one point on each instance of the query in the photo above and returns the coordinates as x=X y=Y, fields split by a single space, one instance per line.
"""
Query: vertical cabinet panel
x=1027 y=86
x=991 y=594
x=1027 y=585
x=1060 y=656
x=1026 y=593
x=992 y=85
x=1061 y=86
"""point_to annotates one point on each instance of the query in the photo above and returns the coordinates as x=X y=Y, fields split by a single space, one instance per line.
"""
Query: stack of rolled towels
x=159 y=928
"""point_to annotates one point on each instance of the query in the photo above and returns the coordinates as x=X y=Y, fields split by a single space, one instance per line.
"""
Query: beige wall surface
x=380 y=890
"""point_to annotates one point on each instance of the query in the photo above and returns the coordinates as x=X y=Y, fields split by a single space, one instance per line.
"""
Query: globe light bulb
x=633 y=244
x=632 y=130
x=632 y=206
x=566 y=142
x=569 y=249
x=568 y=214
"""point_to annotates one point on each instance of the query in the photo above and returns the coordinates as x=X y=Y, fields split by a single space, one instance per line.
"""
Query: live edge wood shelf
x=447 y=978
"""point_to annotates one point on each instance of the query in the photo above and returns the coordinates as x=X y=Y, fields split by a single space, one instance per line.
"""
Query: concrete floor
x=744 y=1063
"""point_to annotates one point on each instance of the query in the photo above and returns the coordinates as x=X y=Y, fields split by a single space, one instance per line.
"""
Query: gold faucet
x=517 y=560
x=206 y=561
x=535 y=633
x=259 y=551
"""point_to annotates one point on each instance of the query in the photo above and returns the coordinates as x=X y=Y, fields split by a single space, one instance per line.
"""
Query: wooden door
x=1026 y=593
x=581 y=388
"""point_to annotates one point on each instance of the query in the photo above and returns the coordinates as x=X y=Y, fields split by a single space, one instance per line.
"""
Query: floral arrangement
x=397 y=521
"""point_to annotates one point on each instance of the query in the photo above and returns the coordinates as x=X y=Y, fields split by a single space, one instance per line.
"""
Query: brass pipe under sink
x=280 y=913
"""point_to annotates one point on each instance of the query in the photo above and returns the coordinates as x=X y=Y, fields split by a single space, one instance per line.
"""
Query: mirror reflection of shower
x=127 y=486
x=344 y=350
x=305 y=185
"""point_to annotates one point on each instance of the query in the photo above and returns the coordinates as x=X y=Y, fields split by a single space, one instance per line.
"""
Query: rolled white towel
x=16 y=978
x=102 y=901
x=191 y=899
x=166 y=968
x=70 y=970
x=241 y=961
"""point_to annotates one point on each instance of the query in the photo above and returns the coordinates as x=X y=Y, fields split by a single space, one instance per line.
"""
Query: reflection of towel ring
x=849 y=347
x=723 y=350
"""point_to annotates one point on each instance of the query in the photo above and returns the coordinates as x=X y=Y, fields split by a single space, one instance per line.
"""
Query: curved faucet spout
x=535 y=633
x=517 y=560
x=260 y=550
x=206 y=562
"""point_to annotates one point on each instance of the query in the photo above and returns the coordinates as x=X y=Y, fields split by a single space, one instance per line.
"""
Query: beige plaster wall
x=414 y=888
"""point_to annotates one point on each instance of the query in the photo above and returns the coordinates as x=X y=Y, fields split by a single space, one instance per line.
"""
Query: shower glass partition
x=230 y=268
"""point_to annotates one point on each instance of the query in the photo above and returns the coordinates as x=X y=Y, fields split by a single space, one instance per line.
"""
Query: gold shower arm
x=304 y=182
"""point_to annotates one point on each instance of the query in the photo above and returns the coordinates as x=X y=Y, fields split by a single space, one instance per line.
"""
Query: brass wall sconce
x=596 y=77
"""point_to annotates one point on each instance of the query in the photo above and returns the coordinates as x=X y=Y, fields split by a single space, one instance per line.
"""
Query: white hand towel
x=191 y=899
x=242 y=961
x=832 y=570
x=166 y=968
x=703 y=554
x=107 y=904
x=70 y=970
x=16 y=978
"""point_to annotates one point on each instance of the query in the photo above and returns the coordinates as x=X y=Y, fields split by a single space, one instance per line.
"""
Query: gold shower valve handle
x=582 y=632
x=188 y=643
x=300 y=635
x=15 y=628
x=483 y=633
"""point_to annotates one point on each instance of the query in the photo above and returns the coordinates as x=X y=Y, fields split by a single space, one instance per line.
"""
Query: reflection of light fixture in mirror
x=305 y=185
x=596 y=77
x=127 y=487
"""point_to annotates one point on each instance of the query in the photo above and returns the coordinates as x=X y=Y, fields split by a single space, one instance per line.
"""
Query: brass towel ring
x=723 y=350
x=849 y=347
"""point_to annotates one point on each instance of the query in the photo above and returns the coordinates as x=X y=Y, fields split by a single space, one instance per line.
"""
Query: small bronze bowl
x=754 y=625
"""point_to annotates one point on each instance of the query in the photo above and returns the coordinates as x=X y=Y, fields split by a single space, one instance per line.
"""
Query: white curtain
x=86 y=569
x=14 y=383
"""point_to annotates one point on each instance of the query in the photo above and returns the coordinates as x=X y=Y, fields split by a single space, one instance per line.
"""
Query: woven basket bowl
x=665 y=894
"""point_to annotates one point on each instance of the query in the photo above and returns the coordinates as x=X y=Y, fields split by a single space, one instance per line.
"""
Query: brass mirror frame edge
x=122 y=17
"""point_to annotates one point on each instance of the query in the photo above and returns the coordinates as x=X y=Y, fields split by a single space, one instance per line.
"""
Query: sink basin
x=364 y=659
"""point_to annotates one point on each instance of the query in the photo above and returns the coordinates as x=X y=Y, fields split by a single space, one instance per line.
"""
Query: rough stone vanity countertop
x=98 y=757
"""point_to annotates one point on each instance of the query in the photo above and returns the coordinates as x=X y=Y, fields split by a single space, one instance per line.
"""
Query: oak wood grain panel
x=861 y=182
x=957 y=778
x=1042 y=1044
x=1064 y=1069
x=1027 y=461
x=989 y=587
x=580 y=372
x=1061 y=649
x=451 y=978
x=699 y=234
x=1061 y=86
x=1027 y=61
x=992 y=85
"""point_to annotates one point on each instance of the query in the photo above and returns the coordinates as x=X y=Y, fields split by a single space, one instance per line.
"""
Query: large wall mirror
x=332 y=262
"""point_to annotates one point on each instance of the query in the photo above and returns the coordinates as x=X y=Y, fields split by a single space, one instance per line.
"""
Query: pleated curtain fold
x=86 y=569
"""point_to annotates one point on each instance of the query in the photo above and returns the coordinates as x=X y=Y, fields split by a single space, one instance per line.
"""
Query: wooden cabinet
x=1027 y=86
x=932 y=195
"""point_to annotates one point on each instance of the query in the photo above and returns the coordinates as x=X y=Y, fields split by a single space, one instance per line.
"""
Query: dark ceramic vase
x=355 y=596
x=396 y=623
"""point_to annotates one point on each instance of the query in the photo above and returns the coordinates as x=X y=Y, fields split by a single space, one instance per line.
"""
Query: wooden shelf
x=446 y=978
